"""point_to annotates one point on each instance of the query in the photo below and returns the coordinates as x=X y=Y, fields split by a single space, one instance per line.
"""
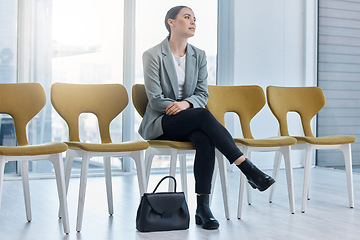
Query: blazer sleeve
x=157 y=100
x=201 y=95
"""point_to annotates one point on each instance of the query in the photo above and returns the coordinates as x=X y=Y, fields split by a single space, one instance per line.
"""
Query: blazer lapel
x=169 y=66
x=189 y=71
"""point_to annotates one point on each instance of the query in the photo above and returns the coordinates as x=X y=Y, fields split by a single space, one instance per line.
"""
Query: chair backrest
x=245 y=101
x=139 y=98
x=22 y=101
x=306 y=101
x=106 y=101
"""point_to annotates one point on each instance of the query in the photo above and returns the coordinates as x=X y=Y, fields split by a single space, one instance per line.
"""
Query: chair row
x=107 y=101
x=246 y=102
x=22 y=101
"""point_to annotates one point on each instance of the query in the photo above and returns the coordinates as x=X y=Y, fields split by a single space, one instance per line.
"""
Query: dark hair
x=171 y=14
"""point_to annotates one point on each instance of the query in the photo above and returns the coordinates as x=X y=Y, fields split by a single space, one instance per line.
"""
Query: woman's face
x=184 y=23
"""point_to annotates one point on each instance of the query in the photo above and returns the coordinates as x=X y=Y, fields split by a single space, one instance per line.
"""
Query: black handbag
x=163 y=211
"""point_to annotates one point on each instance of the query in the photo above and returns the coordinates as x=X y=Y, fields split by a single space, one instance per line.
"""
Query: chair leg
x=26 y=189
x=312 y=163
x=173 y=160
x=306 y=176
x=223 y=180
x=276 y=168
x=346 y=149
x=68 y=165
x=60 y=181
x=138 y=157
x=308 y=195
x=69 y=159
x=183 y=175
x=108 y=183
x=213 y=181
x=82 y=190
x=289 y=177
x=148 y=161
x=2 y=170
x=242 y=185
x=241 y=195
x=248 y=188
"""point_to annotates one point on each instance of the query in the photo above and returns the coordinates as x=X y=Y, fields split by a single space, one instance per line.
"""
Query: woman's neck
x=178 y=46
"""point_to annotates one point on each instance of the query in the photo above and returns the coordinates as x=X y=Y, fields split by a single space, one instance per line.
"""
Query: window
x=82 y=42
x=8 y=41
x=8 y=68
x=74 y=42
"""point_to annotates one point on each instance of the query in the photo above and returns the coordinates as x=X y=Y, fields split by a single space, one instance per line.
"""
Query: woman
x=175 y=76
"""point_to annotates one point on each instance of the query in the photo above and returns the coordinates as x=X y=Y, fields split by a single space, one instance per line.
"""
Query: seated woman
x=175 y=75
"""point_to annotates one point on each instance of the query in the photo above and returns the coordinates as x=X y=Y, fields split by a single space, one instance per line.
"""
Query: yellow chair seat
x=266 y=142
x=31 y=150
x=171 y=144
x=328 y=140
x=109 y=147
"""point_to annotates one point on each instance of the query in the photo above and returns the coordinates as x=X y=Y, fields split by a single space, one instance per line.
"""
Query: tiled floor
x=327 y=217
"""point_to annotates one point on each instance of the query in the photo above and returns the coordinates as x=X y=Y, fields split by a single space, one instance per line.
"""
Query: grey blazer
x=161 y=84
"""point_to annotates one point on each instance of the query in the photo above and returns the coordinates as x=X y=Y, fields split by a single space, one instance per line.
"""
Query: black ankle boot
x=256 y=178
x=203 y=215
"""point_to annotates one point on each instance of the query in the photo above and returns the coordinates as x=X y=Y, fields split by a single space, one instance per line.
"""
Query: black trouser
x=200 y=127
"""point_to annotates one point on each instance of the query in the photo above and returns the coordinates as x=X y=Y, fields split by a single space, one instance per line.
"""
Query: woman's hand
x=176 y=107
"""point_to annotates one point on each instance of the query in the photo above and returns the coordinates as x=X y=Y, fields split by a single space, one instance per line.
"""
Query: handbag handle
x=163 y=180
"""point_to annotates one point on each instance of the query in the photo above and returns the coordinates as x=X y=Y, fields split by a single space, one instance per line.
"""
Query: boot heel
x=252 y=185
x=198 y=220
x=203 y=215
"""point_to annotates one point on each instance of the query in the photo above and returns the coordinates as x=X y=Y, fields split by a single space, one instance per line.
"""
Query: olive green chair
x=175 y=148
x=307 y=102
x=106 y=101
x=22 y=101
x=246 y=102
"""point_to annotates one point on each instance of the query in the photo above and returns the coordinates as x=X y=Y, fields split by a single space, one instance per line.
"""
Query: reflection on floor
x=327 y=217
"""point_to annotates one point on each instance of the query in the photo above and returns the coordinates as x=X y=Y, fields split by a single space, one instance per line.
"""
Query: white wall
x=270 y=46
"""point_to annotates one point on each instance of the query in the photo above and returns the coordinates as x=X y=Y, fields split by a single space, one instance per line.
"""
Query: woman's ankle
x=240 y=160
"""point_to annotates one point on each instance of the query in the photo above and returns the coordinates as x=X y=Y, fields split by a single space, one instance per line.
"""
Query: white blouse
x=179 y=63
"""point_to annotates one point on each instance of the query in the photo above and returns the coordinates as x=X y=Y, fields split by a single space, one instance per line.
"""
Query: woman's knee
x=202 y=112
x=203 y=116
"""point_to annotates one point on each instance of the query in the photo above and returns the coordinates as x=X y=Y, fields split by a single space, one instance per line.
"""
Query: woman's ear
x=171 y=22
